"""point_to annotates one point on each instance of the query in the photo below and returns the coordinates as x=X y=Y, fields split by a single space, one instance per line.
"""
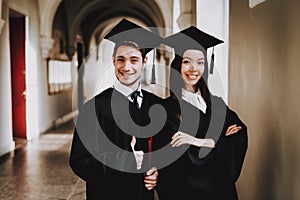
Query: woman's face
x=192 y=68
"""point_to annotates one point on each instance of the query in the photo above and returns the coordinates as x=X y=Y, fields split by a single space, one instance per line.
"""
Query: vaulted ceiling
x=92 y=18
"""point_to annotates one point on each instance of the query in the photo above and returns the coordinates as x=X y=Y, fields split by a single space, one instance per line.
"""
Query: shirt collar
x=195 y=99
x=187 y=94
x=126 y=91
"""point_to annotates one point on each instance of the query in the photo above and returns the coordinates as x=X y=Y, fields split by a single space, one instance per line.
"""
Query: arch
x=87 y=19
x=47 y=11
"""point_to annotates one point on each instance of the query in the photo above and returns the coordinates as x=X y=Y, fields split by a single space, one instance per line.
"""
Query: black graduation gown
x=102 y=181
x=213 y=176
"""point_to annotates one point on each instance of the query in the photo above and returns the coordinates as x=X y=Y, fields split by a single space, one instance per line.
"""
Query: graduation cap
x=192 y=38
x=128 y=31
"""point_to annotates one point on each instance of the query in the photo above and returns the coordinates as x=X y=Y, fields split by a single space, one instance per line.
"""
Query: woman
x=213 y=160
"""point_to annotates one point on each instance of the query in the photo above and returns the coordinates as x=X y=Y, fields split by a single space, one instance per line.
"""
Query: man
x=108 y=149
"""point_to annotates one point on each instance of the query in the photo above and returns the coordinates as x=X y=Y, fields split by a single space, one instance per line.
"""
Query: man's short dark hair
x=130 y=44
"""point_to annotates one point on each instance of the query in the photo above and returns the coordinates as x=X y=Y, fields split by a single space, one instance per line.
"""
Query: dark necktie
x=134 y=97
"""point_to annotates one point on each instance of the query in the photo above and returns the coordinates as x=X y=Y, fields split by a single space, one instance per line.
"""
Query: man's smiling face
x=128 y=64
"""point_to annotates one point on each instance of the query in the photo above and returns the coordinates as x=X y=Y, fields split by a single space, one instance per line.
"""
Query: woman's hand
x=181 y=138
x=232 y=129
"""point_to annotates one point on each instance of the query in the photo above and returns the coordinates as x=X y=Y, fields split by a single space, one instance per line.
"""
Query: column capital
x=46 y=44
x=184 y=20
x=2 y=22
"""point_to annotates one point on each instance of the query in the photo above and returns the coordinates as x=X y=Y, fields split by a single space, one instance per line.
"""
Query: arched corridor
x=43 y=44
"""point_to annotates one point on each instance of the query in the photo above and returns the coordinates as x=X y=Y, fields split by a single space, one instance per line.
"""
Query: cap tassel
x=212 y=62
x=153 y=78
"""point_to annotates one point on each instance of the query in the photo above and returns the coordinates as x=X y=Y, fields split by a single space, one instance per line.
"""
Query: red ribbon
x=150 y=150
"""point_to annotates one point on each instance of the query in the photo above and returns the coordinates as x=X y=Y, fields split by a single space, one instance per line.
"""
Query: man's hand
x=139 y=155
x=151 y=178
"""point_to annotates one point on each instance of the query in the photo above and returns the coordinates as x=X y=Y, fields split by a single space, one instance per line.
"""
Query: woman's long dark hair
x=177 y=84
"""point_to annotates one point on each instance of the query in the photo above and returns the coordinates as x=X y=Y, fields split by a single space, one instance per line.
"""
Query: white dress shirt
x=126 y=91
x=195 y=99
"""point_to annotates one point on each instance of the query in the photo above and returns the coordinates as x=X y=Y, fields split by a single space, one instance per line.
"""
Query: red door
x=17 y=52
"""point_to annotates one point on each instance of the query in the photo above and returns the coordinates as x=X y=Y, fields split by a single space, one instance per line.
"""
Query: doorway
x=17 y=30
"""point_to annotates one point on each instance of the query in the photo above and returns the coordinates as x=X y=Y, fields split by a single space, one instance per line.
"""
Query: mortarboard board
x=128 y=31
x=192 y=38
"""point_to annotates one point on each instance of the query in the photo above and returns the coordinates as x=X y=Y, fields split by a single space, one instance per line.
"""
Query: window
x=59 y=76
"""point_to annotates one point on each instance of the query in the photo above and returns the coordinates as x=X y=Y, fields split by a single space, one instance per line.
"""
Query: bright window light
x=59 y=76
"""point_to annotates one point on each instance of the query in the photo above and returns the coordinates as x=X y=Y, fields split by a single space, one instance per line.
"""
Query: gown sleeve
x=166 y=183
x=231 y=150
x=81 y=160
x=88 y=147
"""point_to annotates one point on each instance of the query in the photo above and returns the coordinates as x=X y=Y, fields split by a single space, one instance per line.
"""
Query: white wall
x=213 y=18
x=6 y=142
x=264 y=90
x=42 y=109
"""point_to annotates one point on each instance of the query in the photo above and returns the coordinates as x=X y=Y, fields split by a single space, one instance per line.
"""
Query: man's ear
x=113 y=58
x=145 y=60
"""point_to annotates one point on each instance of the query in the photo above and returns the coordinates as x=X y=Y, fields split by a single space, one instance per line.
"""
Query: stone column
x=187 y=15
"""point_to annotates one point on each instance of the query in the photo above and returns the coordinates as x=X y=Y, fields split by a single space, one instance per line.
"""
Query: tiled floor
x=39 y=169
